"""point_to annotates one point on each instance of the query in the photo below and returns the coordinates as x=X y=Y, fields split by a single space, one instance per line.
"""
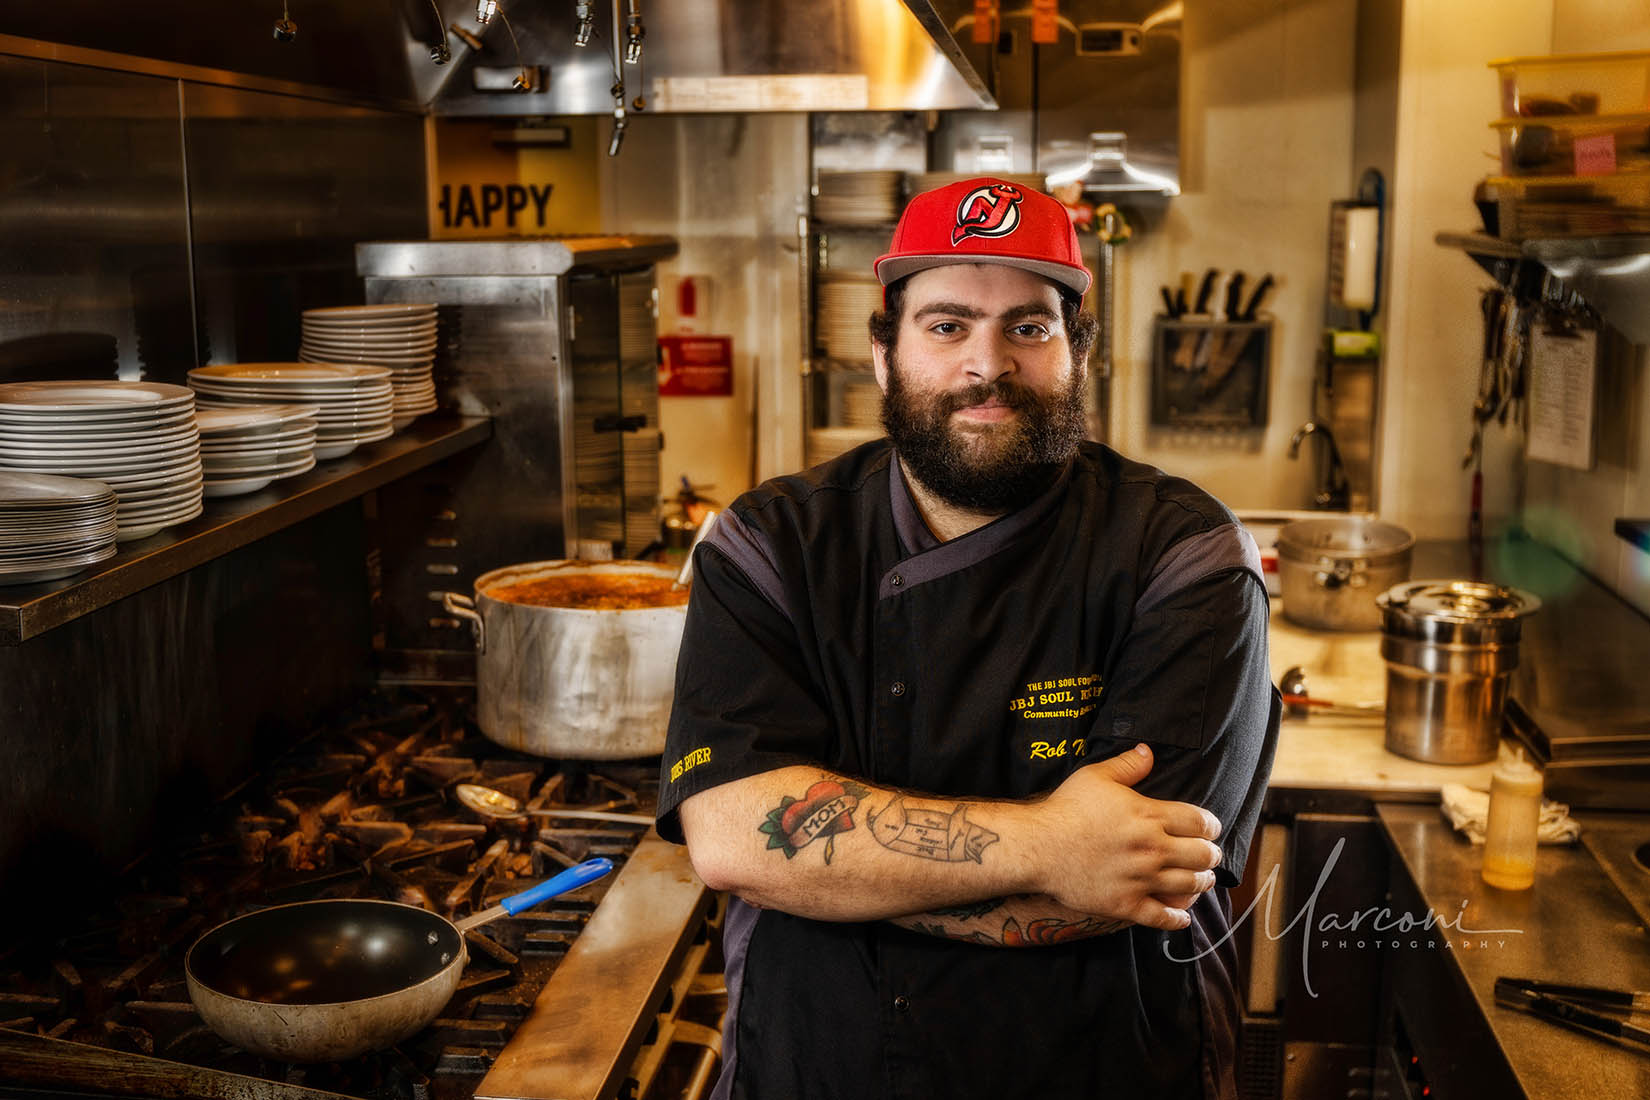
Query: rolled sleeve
x=1193 y=681
x=745 y=700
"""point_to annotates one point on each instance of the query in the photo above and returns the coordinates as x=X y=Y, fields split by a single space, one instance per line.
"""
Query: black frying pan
x=321 y=981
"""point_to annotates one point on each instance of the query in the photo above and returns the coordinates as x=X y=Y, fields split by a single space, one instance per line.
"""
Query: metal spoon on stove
x=496 y=804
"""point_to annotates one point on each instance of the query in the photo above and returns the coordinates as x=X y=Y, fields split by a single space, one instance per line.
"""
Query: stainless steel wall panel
x=280 y=190
x=558 y=359
x=351 y=47
x=94 y=261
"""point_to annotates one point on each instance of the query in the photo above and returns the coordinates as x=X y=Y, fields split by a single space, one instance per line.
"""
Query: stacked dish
x=243 y=450
x=857 y=198
x=400 y=337
x=53 y=527
x=354 y=402
x=845 y=308
x=137 y=437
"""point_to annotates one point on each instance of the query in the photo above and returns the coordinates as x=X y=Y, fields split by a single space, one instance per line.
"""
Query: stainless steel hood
x=696 y=55
x=711 y=56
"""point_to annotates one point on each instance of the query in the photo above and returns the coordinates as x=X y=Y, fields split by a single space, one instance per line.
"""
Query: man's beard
x=991 y=468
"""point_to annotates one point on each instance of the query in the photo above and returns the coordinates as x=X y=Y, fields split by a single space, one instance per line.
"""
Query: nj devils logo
x=991 y=211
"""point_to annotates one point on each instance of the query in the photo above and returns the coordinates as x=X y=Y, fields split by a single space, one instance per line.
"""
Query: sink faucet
x=1332 y=489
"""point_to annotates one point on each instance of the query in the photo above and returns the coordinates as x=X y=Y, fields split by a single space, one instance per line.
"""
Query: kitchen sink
x=1621 y=845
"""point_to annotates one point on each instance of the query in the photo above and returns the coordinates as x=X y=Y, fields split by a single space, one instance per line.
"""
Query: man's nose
x=990 y=357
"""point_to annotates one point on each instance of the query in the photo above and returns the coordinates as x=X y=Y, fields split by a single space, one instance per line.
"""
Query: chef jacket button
x=902 y=1003
x=898 y=688
x=896 y=580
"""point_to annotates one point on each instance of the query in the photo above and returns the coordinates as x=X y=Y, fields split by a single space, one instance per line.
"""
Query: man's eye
x=1030 y=330
x=945 y=328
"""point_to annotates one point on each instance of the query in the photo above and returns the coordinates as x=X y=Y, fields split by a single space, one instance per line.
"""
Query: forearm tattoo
x=827 y=809
x=1042 y=932
x=931 y=834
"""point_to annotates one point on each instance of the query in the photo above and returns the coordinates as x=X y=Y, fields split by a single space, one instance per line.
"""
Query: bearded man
x=974 y=721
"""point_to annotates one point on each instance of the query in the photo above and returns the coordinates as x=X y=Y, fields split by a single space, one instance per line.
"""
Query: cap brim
x=892 y=268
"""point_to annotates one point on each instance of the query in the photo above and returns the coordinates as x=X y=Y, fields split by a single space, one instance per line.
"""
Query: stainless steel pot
x=1330 y=570
x=572 y=682
x=1450 y=647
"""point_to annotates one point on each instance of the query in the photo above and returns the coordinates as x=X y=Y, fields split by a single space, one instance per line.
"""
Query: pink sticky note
x=1596 y=155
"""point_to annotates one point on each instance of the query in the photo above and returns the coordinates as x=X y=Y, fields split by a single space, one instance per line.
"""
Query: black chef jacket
x=829 y=627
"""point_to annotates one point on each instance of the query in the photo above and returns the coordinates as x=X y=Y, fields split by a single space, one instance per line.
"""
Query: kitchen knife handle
x=1261 y=288
x=1168 y=301
x=1204 y=290
x=1234 y=296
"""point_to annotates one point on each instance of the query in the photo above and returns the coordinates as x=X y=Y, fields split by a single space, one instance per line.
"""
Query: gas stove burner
x=367 y=807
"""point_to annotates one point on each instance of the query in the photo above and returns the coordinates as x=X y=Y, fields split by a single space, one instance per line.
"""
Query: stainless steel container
x=1330 y=570
x=1449 y=647
x=578 y=683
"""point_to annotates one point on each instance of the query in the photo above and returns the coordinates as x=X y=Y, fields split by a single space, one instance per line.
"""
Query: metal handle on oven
x=463 y=607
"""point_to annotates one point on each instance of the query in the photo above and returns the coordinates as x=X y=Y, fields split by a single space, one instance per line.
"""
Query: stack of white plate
x=53 y=527
x=857 y=198
x=354 y=402
x=245 y=449
x=402 y=337
x=845 y=308
x=138 y=437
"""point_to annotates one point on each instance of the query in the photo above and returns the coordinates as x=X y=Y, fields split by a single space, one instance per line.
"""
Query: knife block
x=1212 y=375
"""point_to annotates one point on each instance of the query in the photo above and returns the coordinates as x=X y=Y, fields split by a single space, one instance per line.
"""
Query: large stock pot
x=591 y=683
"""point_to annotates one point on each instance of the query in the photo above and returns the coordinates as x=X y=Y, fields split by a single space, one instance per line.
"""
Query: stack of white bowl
x=245 y=449
x=137 y=437
x=402 y=337
x=354 y=402
x=53 y=527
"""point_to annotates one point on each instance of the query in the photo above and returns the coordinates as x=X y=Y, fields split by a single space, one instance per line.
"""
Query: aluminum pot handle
x=464 y=607
x=1334 y=573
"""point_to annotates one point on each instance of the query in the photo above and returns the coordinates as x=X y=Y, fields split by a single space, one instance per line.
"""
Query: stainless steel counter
x=1574 y=926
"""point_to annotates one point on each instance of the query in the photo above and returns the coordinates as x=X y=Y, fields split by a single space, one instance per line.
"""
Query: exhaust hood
x=706 y=56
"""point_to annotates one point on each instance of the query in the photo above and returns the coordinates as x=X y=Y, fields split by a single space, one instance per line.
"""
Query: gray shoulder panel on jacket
x=734 y=538
x=1228 y=546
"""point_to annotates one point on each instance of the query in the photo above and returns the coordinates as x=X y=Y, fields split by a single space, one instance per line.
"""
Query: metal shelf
x=232 y=522
x=1611 y=273
x=1635 y=531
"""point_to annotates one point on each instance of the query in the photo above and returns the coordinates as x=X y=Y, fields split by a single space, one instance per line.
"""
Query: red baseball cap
x=985 y=221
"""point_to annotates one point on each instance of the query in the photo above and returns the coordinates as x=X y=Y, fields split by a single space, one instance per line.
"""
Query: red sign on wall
x=695 y=366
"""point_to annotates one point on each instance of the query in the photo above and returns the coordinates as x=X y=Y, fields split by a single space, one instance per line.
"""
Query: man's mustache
x=1004 y=391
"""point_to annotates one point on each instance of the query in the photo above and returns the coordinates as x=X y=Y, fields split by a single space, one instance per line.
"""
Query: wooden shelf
x=232 y=522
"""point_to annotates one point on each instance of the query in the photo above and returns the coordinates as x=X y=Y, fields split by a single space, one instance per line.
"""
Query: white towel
x=1468 y=811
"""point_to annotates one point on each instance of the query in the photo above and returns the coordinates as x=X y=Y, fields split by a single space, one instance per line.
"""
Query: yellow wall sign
x=482 y=186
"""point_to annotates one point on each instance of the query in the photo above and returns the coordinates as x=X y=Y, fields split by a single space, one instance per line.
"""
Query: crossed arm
x=1089 y=858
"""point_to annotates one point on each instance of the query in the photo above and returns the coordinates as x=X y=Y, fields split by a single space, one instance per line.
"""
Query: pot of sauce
x=575 y=658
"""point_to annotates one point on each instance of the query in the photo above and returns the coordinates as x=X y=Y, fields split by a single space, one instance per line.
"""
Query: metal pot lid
x=1343 y=537
x=1458 y=601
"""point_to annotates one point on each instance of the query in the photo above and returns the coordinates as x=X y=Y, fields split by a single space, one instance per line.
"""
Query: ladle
x=501 y=807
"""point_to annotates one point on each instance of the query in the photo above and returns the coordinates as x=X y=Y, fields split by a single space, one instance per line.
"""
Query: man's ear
x=879 y=360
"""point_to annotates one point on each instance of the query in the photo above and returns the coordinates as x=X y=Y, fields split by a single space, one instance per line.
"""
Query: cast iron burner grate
x=364 y=808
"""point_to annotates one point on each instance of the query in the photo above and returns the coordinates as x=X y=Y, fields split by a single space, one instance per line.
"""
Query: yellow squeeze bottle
x=1510 y=833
